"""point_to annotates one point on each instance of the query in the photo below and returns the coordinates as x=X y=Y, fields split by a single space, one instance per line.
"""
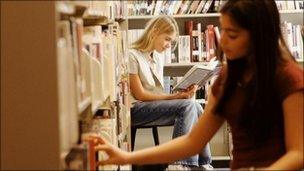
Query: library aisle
x=65 y=76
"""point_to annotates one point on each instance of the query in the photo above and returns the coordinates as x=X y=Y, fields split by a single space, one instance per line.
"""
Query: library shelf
x=178 y=16
x=204 y=15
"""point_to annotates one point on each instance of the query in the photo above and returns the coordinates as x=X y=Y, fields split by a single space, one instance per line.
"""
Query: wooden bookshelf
x=291 y=12
x=52 y=82
x=176 y=16
x=29 y=90
x=206 y=15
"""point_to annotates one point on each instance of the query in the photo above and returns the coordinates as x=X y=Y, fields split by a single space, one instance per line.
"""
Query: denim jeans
x=184 y=113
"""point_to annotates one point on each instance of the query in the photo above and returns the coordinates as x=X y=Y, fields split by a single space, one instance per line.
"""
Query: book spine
x=188 y=31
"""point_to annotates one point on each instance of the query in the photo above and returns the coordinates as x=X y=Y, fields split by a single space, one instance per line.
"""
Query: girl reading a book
x=150 y=105
x=259 y=92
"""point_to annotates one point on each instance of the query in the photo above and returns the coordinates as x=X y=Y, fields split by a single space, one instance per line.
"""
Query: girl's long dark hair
x=261 y=18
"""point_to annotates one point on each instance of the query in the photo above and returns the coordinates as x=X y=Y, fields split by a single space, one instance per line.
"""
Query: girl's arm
x=293 y=124
x=141 y=94
x=178 y=148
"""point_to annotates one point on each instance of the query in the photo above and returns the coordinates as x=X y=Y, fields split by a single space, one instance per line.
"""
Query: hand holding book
x=187 y=93
x=112 y=154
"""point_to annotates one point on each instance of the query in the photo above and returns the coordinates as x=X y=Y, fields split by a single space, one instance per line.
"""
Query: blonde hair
x=162 y=24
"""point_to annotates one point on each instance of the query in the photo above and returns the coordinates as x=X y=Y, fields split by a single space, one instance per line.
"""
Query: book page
x=194 y=78
x=198 y=74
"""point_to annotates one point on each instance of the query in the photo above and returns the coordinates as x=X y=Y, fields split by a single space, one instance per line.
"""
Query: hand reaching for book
x=114 y=154
x=187 y=93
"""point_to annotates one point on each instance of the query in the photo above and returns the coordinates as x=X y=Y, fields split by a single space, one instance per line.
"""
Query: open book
x=199 y=74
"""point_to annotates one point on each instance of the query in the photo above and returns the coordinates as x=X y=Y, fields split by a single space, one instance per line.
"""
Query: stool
x=154 y=131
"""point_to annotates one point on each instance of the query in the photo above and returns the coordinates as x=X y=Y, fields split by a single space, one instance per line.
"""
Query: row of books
x=83 y=156
x=200 y=46
x=294 y=37
x=111 y=9
x=290 y=4
x=92 y=70
x=172 y=7
x=203 y=42
x=107 y=47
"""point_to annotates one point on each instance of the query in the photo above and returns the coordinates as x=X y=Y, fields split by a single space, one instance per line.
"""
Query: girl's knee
x=199 y=107
x=186 y=103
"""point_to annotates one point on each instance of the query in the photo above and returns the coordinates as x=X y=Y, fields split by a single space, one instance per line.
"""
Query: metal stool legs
x=133 y=135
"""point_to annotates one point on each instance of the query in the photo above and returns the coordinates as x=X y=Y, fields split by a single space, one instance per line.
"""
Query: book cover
x=199 y=74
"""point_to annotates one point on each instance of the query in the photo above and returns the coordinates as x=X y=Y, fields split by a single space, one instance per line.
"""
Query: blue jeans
x=184 y=113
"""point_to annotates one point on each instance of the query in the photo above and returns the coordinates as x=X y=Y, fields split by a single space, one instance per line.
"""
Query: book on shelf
x=81 y=157
x=67 y=87
x=188 y=31
x=199 y=74
x=197 y=43
x=210 y=42
x=103 y=126
x=184 y=49
x=294 y=39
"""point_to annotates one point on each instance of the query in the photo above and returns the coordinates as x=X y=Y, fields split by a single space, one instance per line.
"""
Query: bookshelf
x=221 y=142
x=52 y=85
x=177 y=16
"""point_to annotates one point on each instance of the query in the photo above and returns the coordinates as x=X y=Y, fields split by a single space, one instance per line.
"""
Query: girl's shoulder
x=289 y=70
x=137 y=54
x=289 y=78
x=134 y=52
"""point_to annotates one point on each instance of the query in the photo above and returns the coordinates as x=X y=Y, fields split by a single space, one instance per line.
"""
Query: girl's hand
x=188 y=93
x=115 y=155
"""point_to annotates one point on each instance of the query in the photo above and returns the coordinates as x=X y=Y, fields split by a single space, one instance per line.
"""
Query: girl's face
x=163 y=42
x=235 y=41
